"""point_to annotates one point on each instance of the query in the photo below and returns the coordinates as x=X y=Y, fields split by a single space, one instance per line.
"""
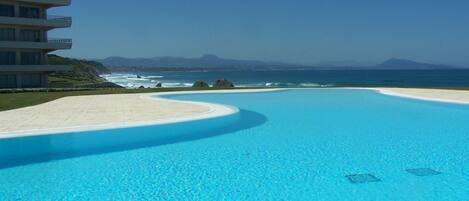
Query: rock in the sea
x=159 y=85
x=200 y=84
x=223 y=84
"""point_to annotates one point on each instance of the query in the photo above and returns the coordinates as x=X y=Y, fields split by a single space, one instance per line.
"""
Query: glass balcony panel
x=31 y=58
x=29 y=12
x=7 y=58
x=31 y=80
x=30 y=35
x=7 y=81
x=7 y=34
x=7 y=10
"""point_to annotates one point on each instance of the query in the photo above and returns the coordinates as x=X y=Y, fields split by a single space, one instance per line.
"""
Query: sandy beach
x=79 y=113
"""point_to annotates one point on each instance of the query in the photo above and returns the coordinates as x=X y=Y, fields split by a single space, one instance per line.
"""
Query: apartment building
x=24 y=43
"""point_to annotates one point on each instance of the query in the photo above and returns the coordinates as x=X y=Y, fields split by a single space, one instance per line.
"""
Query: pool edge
x=215 y=111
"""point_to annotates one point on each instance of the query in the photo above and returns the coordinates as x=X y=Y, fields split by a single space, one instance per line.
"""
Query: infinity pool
x=284 y=145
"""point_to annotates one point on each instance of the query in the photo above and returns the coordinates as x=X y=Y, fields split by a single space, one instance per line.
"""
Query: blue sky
x=298 y=31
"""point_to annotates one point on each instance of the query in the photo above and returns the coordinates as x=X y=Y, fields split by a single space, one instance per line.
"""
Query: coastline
x=176 y=111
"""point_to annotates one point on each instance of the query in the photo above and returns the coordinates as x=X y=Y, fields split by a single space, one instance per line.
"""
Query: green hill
x=85 y=73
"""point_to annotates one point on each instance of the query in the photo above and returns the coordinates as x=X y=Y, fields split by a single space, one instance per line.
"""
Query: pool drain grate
x=423 y=172
x=362 y=178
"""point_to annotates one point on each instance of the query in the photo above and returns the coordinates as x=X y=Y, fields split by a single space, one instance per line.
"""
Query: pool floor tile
x=423 y=172
x=362 y=178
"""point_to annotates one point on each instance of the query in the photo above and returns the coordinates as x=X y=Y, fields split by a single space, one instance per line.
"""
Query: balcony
x=51 y=3
x=52 y=21
x=59 y=18
x=34 y=68
x=51 y=44
x=60 y=40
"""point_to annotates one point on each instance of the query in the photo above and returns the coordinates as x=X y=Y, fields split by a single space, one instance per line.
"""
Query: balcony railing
x=50 y=40
x=59 y=18
x=59 y=40
x=49 y=17
x=50 y=2
x=50 y=44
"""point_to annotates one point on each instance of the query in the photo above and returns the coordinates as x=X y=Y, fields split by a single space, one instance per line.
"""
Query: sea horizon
x=296 y=78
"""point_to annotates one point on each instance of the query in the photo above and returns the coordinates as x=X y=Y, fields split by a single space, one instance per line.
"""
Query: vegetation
x=85 y=73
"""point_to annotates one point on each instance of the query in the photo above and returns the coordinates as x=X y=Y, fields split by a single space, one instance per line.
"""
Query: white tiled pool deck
x=83 y=113
x=90 y=111
x=442 y=95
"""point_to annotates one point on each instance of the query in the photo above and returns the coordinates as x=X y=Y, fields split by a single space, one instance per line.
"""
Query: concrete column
x=45 y=80
x=17 y=34
x=46 y=59
x=42 y=36
x=18 y=57
x=45 y=36
x=44 y=13
x=19 y=83
x=17 y=10
x=44 y=32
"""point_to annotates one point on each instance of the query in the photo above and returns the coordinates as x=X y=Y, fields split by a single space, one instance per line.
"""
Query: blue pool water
x=286 y=145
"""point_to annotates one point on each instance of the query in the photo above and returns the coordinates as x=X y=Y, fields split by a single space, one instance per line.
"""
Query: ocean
x=304 y=78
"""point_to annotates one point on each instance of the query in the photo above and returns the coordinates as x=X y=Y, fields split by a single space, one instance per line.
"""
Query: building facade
x=24 y=43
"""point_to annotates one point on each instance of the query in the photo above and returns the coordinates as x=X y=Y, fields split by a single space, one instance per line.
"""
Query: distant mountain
x=212 y=62
x=408 y=64
x=342 y=63
x=206 y=61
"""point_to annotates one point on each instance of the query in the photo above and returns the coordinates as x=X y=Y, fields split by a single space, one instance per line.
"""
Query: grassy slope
x=84 y=72
x=10 y=101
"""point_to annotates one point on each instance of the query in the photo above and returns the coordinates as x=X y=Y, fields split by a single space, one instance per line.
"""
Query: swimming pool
x=333 y=144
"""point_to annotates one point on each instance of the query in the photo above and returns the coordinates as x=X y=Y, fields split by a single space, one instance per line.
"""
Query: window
x=7 y=10
x=31 y=58
x=7 y=81
x=29 y=12
x=7 y=34
x=7 y=58
x=30 y=35
x=31 y=80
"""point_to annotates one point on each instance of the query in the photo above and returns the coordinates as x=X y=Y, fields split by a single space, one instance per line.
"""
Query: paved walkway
x=456 y=96
x=89 y=111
